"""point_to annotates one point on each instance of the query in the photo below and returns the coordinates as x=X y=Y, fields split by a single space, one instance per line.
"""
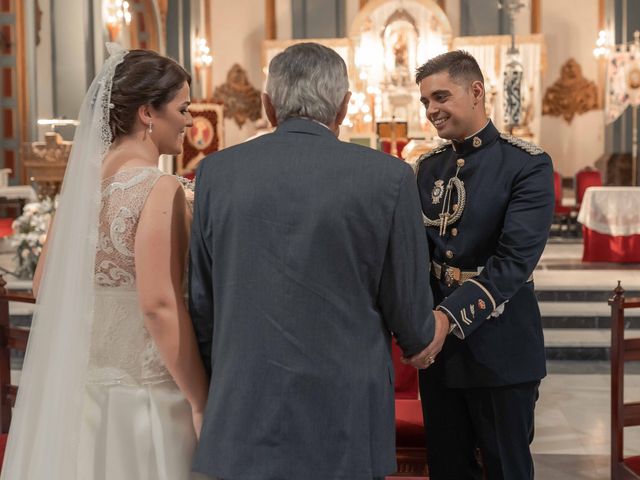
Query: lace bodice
x=123 y=197
x=122 y=351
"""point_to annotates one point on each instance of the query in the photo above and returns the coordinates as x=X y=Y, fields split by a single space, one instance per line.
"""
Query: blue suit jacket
x=306 y=252
x=503 y=230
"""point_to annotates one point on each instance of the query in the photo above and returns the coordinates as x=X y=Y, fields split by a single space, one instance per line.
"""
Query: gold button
x=454 y=232
x=449 y=254
x=460 y=162
x=455 y=207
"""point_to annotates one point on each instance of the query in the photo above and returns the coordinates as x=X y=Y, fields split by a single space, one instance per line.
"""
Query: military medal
x=436 y=193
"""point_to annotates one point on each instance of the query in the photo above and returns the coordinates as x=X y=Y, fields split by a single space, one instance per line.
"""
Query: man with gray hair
x=306 y=252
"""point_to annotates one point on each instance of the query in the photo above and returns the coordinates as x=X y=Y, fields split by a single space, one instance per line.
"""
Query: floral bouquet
x=29 y=234
x=189 y=186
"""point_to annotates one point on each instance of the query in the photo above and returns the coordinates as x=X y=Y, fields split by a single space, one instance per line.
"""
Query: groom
x=306 y=253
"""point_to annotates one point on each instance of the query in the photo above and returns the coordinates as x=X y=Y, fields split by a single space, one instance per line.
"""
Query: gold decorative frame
x=572 y=94
x=366 y=9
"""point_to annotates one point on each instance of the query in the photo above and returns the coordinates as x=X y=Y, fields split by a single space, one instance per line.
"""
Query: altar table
x=610 y=218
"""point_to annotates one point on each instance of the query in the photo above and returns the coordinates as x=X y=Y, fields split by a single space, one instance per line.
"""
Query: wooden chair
x=11 y=338
x=411 y=452
x=563 y=217
x=622 y=414
x=585 y=178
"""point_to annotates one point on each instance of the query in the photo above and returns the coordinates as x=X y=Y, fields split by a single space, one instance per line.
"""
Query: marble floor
x=572 y=422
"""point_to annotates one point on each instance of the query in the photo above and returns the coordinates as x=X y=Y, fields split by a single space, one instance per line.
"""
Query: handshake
x=427 y=357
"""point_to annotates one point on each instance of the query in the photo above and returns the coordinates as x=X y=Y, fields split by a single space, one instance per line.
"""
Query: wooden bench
x=622 y=414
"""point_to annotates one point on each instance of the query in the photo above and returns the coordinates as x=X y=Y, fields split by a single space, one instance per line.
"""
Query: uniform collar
x=477 y=141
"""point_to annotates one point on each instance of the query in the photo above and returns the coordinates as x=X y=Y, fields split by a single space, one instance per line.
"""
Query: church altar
x=387 y=41
x=610 y=217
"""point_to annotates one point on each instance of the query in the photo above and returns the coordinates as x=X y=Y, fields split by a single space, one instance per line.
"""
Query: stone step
x=584 y=278
x=601 y=296
x=583 y=315
x=580 y=344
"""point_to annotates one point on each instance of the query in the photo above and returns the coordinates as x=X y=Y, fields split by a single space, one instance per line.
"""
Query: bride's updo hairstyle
x=143 y=78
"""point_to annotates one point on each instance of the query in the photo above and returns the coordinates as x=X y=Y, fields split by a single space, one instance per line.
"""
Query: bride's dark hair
x=143 y=78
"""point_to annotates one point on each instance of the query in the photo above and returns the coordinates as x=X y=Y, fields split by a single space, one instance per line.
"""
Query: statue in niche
x=241 y=101
x=400 y=50
x=571 y=94
x=400 y=40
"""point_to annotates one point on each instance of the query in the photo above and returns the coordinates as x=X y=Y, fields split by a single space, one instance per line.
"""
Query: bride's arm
x=161 y=246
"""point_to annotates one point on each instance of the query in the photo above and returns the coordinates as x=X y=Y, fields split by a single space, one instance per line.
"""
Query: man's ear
x=342 y=112
x=477 y=89
x=270 y=110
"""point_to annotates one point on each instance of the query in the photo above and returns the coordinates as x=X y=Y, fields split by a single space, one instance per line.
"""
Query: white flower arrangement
x=29 y=234
x=189 y=186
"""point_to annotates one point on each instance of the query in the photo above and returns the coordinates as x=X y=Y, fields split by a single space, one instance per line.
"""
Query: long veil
x=44 y=434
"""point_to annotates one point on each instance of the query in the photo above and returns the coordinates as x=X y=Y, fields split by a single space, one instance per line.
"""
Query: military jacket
x=500 y=204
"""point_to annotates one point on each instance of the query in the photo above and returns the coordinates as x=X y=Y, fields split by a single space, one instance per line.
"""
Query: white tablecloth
x=611 y=210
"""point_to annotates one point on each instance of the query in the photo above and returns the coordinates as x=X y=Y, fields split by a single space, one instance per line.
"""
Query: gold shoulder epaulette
x=433 y=152
x=530 y=148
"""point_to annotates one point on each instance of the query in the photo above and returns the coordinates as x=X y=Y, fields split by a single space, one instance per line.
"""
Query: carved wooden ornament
x=571 y=94
x=241 y=101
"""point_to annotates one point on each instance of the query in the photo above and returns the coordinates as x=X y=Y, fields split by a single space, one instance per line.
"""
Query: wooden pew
x=622 y=414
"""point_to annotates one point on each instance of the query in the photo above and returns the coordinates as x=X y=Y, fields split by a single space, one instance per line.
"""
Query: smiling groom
x=487 y=202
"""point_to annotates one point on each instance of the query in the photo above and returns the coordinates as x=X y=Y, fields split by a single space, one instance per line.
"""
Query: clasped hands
x=427 y=357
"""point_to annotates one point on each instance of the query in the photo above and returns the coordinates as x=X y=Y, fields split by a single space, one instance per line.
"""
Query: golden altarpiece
x=387 y=40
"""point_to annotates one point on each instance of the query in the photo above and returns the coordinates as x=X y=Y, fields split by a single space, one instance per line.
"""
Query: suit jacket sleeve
x=523 y=238
x=405 y=297
x=200 y=282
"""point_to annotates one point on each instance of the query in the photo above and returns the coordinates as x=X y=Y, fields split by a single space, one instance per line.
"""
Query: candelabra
x=117 y=13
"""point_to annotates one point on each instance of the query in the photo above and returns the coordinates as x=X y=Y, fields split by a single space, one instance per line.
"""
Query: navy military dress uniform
x=487 y=205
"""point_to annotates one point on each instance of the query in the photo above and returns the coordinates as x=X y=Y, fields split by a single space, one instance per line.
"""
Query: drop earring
x=150 y=127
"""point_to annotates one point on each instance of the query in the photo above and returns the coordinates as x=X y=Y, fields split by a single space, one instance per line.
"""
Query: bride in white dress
x=113 y=387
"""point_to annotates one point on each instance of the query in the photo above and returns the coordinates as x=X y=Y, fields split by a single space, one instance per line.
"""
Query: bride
x=113 y=387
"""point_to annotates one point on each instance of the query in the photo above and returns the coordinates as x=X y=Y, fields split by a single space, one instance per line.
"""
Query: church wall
x=69 y=65
x=237 y=35
x=579 y=143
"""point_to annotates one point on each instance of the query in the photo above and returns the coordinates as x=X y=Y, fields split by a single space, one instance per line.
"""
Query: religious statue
x=241 y=101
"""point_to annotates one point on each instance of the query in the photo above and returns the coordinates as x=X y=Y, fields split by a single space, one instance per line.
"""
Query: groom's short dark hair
x=460 y=65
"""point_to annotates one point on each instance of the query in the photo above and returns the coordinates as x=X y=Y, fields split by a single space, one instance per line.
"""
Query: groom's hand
x=426 y=357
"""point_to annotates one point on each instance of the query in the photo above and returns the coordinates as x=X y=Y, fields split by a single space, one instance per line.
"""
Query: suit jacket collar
x=306 y=126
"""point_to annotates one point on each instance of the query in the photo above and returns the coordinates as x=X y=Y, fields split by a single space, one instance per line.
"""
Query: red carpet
x=5 y=227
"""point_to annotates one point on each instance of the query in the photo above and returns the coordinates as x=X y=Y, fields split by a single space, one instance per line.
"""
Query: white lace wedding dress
x=136 y=423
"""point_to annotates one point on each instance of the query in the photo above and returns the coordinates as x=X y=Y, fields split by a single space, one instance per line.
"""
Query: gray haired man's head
x=308 y=80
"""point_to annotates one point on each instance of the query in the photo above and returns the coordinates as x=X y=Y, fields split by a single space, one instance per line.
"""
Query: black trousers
x=497 y=421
